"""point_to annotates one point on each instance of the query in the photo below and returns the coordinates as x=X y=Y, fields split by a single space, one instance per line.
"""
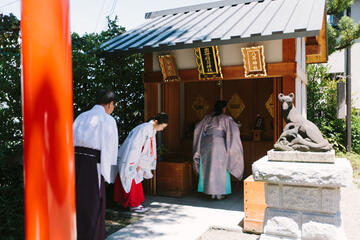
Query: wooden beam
x=312 y=46
x=278 y=122
x=148 y=62
x=289 y=85
x=229 y=72
x=322 y=56
x=289 y=50
x=150 y=100
x=171 y=105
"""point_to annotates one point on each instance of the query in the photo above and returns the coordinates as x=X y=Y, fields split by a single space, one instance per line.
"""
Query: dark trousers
x=90 y=200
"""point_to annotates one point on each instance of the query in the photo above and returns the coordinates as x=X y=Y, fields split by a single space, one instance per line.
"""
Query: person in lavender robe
x=217 y=152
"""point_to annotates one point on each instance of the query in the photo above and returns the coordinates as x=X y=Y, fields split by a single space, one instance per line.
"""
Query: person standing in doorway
x=217 y=151
x=137 y=157
x=96 y=150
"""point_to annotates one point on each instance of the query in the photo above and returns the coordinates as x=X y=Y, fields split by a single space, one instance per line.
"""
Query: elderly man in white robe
x=137 y=157
x=96 y=150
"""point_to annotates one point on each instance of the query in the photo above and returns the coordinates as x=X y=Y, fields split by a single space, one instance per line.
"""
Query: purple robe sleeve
x=199 y=128
x=235 y=153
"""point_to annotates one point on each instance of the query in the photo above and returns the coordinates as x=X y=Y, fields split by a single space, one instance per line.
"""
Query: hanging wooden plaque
x=168 y=68
x=208 y=61
x=254 y=61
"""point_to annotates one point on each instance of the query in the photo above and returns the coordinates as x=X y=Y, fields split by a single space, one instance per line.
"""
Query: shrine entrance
x=248 y=100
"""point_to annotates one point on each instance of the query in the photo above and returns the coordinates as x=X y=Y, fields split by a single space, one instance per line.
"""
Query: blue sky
x=90 y=15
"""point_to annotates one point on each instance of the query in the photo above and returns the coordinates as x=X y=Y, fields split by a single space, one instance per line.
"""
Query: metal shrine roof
x=222 y=22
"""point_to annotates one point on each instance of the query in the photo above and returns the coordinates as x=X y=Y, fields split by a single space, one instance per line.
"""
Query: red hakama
x=131 y=199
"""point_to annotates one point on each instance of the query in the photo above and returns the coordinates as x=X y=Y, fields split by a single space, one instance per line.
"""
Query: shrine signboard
x=168 y=68
x=254 y=61
x=208 y=61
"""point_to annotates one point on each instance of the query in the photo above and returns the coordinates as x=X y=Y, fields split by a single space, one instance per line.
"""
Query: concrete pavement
x=196 y=217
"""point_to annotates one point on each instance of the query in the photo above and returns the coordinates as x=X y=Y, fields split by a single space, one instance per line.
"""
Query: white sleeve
x=130 y=156
x=109 y=150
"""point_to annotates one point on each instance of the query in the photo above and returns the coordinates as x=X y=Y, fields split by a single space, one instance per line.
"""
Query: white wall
x=355 y=12
x=230 y=55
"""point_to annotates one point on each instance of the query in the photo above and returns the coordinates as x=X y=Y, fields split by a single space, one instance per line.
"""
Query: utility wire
x=97 y=21
x=9 y=3
x=113 y=8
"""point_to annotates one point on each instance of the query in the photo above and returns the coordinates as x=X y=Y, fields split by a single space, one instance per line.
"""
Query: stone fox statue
x=299 y=133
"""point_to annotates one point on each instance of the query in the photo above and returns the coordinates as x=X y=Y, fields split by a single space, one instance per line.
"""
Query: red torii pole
x=48 y=116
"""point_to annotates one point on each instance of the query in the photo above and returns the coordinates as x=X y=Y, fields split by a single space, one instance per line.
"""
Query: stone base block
x=338 y=174
x=287 y=224
x=302 y=198
x=269 y=237
x=315 y=199
x=296 y=156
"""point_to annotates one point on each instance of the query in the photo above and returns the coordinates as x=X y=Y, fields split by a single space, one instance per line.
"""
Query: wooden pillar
x=150 y=110
x=150 y=90
x=289 y=54
x=171 y=105
x=289 y=50
x=288 y=80
x=278 y=122
x=48 y=117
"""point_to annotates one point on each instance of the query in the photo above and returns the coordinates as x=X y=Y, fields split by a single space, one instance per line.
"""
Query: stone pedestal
x=303 y=199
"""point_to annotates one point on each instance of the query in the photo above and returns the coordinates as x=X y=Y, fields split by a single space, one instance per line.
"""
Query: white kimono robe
x=138 y=149
x=98 y=130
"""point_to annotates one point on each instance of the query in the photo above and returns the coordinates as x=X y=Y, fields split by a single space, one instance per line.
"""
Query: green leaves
x=349 y=33
x=337 y=6
x=94 y=69
x=344 y=31
x=11 y=169
x=321 y=109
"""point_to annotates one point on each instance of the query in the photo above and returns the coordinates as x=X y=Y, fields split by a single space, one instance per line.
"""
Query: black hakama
x=90 y=199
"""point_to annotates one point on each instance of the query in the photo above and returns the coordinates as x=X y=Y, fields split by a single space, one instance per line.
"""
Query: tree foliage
x=92 y=69
x=11 y=181
x=321 y=109
x=343 y=31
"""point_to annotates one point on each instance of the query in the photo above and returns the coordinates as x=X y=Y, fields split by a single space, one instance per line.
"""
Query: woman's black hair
x=104 y=96
x=218 y=107
x=161 y=118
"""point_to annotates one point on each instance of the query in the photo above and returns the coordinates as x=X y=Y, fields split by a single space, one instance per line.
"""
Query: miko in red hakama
x=131 y=199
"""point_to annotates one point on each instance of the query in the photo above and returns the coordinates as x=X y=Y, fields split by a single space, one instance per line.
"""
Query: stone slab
x=286 y=224
x=296 y=156
x=338 y=174
x=300 y=198
x=269 y=237
x=280 y=222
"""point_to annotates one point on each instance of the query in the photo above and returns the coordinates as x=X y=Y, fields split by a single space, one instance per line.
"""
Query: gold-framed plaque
x=235 y=106
x=208 y=61
x=200 y=106
x=270 y=105
x=254 y=61
x=168 y=68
